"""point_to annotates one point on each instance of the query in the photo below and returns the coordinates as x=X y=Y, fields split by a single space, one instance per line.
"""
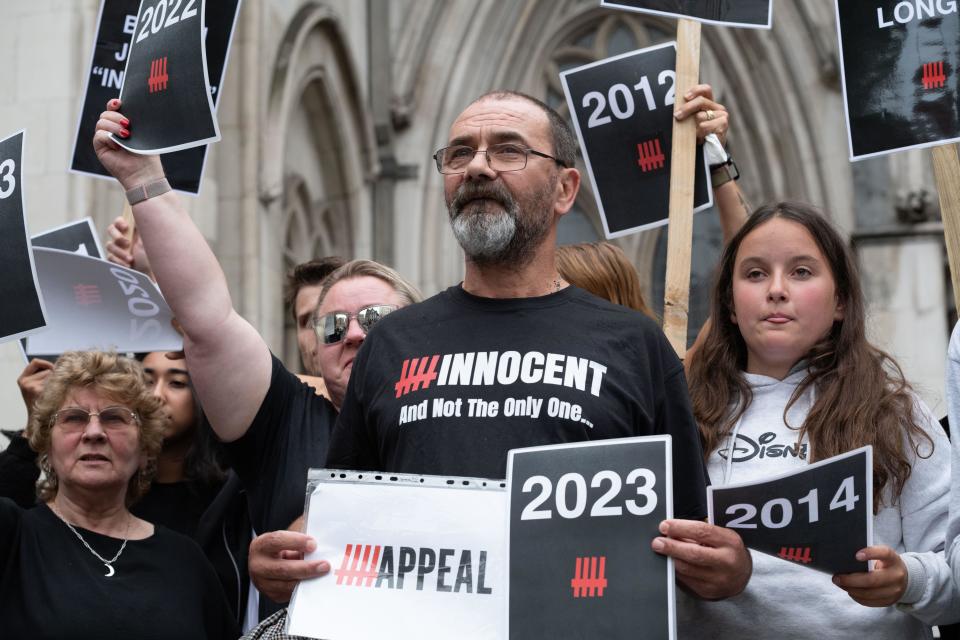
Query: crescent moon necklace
x=107 y=563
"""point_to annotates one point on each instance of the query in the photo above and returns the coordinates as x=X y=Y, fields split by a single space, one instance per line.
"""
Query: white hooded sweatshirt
x=786 y=600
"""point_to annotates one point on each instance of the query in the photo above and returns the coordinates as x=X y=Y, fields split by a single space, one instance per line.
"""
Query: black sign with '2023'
x=622 y=109
x=581 y=520
x=819 y=516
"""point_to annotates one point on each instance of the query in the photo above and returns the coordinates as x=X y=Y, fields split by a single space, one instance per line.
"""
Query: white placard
x=412 y=557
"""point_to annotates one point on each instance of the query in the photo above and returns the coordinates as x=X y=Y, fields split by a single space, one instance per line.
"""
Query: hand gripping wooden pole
x=946 y=167
x=676 y=303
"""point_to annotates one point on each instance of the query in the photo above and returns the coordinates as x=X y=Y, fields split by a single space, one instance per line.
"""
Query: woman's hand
x=712 y=117
x=128 y=168
x=882 y=587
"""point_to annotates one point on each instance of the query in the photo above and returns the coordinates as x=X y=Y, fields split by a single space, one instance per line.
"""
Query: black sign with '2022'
x=166 y=92
x=622 y=109
x=818 y=517
x=581 y=520
x=901 y=72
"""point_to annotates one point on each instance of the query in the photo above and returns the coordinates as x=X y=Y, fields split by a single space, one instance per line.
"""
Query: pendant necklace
x=107 y=563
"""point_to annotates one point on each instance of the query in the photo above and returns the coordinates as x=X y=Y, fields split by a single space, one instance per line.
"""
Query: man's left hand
x=709 y=561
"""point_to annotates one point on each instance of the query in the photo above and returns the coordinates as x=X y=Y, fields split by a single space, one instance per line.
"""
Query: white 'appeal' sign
x=412 y=557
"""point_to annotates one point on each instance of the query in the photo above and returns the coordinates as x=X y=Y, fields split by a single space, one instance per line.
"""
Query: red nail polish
x=124 y=133
x=125 y=123
x=114 y=103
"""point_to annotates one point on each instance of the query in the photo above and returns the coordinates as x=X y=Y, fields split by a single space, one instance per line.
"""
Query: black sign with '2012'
x=819 y=516
x=622 y=109
x=581 y=520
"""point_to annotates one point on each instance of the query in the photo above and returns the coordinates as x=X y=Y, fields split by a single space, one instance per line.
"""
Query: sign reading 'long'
x=581 y=520
x=622 y=109
x=818 y=517
x=901 y=85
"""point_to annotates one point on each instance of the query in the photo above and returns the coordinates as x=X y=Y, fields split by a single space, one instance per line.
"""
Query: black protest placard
x=818 y=517
x=22 y=307
x=95 y=304
x=899 y=67
x=166 y=91
x=756 y=14
x=115 y=30
x=581 y=520
x=622 y=110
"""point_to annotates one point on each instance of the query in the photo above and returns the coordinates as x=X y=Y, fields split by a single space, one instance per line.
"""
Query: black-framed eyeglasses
x=111 y=418
x=506 y=156
x=332 y=327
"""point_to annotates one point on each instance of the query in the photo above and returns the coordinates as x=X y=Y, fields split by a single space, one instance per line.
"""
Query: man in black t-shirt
x=515 y=357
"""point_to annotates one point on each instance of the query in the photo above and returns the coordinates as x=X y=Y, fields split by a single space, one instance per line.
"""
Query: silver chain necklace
x=107 y=563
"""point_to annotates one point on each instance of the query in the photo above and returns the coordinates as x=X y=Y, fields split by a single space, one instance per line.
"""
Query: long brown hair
x=602 y=269
x=861 y=395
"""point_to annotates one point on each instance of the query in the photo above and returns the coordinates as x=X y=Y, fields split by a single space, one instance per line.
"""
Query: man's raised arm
x=229 y=362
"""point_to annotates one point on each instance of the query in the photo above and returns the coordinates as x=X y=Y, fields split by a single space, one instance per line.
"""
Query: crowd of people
x=122 y=462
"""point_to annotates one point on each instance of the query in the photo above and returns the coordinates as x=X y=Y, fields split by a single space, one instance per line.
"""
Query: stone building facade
x=330 y=111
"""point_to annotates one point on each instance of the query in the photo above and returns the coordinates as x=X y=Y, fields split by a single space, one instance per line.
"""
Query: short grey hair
x=361 y=268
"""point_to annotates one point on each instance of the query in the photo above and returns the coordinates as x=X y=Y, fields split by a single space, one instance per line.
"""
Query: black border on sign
x=586 y=154
x=93 y=232
x=681 y=16
x=668 y=490
x=846 y=109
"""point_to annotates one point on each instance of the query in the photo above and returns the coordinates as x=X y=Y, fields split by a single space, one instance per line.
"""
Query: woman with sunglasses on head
x=81 y=565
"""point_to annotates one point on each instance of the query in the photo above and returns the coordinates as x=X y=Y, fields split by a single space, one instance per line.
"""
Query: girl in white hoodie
x=785 y=377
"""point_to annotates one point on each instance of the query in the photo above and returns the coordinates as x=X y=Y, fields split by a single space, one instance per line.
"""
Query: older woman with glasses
x=80 y=565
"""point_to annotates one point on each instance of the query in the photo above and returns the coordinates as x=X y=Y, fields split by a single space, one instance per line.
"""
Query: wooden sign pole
x=676 y=303
x=946 y=167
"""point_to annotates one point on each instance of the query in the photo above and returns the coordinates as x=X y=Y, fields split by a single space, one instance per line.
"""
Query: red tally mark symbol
x=362 y=560
x=589 y=579
x=86 y=294
x=417 y=373
x=158 y=75
x=796 y=554
x=651 y=156
x=933 y=76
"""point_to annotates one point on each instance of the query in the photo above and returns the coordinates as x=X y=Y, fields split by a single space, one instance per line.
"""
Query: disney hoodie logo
x=746 y=448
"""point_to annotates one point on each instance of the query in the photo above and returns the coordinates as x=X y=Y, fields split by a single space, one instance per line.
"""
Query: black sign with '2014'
x=819 y=516
x=622 y=109
x=581 y=520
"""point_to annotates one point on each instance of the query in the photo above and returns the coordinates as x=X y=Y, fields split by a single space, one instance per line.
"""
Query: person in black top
x=80 y=564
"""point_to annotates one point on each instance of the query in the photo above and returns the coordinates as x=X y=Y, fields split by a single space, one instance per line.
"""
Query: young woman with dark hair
x=786 y=361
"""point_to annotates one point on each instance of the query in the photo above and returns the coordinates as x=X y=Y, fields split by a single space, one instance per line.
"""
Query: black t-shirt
x=51 y=586
x=449 y=385
x=289 y=435
x=175 y=505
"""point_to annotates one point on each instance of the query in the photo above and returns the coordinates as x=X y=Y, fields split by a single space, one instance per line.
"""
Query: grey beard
x=505 y=237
